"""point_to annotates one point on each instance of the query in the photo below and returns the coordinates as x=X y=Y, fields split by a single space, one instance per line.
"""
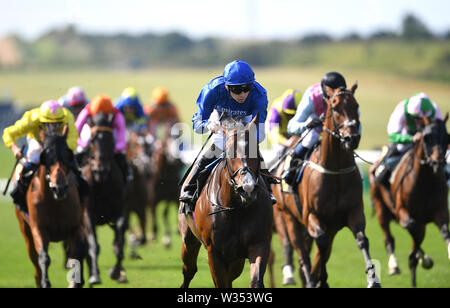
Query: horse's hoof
x=122 y=277
x=394 y=271
x=374 y=285
x=289 y=282
x=288 y=275
x=94 y=279
x=426 y=262
x=114 y=273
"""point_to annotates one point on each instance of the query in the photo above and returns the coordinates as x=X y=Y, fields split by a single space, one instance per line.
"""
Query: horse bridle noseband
x=336 y=133
x=243 y=169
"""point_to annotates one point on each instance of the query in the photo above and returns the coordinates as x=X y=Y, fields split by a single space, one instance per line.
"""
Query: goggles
x=238 y=89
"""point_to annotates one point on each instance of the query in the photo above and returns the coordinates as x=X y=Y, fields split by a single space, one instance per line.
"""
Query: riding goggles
x=238 y=89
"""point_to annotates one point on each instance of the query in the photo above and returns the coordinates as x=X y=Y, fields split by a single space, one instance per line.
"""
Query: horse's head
x=101 y=146
x=242 y=157
x=56 y=157
x=435 y=142
x=344 y=117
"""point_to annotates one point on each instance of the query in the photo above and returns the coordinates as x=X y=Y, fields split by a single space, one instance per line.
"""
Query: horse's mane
x=231 y=123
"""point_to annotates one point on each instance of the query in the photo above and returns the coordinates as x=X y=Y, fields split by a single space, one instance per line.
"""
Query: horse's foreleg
x=357 y=225
x=220 y=271
x=76 y=252
x=167 y=240
x=93 y=250
x=118 y=272
x=384 y=218
x=417 y=232
x=32 y=252
x=442 y=220
x=258 y=256
x=41 y=245
x=189 y=252
x=288 y=267
x=297 y=235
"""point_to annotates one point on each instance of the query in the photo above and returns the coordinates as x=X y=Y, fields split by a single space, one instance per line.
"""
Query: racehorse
x=55 y=211
x=329 y=195
x=167 y=170
x=417 y=195
x=139 y=191
x=233 y=215
x=107 y=192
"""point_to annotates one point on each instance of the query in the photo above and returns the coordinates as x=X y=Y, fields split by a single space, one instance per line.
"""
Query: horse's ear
x=446 y=118
x=42 y=134
x=255 y=120
x=354 y=87
x=65 y=131
x=329 y=91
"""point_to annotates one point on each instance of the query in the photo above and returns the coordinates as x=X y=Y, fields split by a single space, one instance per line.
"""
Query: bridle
x=346 y=124
x=244 y=169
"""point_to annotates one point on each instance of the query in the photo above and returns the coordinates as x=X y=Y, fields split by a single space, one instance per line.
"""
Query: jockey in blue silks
x=238 y=95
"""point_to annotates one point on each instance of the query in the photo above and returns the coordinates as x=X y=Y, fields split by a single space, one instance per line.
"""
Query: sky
x=235 y=19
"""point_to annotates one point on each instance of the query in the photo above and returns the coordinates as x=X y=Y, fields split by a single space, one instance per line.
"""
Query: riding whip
x=12 y=173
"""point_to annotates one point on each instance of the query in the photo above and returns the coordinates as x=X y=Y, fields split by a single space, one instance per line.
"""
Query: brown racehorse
x=233 y=215
x=167 y=174
x=418 y=195
x=107 y=193
x=330 y=192
x=55 y=211
x=139 y=191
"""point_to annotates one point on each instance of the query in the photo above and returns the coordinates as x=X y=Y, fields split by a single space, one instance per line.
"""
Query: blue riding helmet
x=238 y=73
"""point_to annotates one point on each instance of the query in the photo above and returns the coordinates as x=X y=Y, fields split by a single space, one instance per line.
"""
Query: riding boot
x=20 y=188
x=384 y=170
x=268 y=181
x=188 y=196
x=124 y=167
x=293 y=162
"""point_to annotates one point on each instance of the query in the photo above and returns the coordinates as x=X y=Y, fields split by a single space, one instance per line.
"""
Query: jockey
x=280 y=113
x=74 y=100
x=310 y=109
x=131 y=108
x=404 y=128
x=50 y=116
x=102 y=103
x=239 y=95
x=161 y=111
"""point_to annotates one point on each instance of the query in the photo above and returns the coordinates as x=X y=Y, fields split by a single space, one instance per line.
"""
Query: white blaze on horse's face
x=248 y=184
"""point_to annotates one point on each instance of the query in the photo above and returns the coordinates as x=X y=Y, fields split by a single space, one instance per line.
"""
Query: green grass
x=161 y=267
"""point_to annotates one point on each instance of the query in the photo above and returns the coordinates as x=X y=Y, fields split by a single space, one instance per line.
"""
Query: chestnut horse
x=107 y=193
x=329 y=193
x=233 y=215
x=55 y=211
x=418 y=195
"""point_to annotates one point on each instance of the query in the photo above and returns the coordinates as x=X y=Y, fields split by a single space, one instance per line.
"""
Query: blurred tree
x=316 y=38
x=413 y=28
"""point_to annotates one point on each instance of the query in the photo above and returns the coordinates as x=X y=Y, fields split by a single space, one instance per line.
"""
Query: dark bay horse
x=418 y=195
x=233 y=215
x=167 y=174
x=107 y=193
x=139 y=191
x=329 y=194
x=55 y=211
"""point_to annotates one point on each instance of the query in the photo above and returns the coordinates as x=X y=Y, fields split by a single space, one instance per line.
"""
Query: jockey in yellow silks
x=51 y=117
